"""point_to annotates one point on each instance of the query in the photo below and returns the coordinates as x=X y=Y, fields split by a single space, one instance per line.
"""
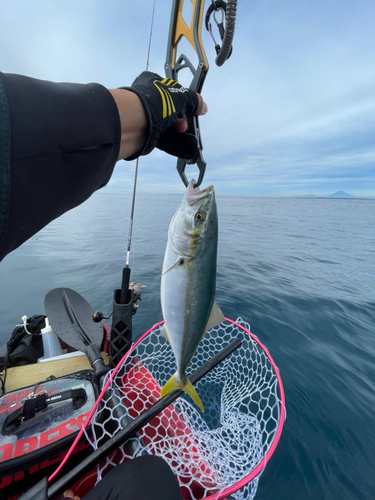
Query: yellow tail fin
x=186 y=386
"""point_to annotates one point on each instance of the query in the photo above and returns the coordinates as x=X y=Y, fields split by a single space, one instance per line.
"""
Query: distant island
x=338 y=194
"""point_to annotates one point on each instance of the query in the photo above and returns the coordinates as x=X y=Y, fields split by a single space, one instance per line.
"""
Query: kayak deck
x=22 y=376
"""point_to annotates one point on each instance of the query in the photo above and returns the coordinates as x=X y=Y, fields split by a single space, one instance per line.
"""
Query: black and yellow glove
x=164 y=101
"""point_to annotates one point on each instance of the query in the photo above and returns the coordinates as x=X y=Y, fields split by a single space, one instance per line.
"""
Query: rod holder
x=121 y=330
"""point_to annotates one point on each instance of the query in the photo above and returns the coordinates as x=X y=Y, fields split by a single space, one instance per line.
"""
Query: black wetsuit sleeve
x=63 y=144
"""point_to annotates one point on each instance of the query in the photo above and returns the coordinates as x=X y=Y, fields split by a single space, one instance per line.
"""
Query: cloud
x=291 y=109
x=335 y=149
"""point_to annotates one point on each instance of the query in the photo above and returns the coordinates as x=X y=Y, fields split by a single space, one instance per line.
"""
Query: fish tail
x=186 y=386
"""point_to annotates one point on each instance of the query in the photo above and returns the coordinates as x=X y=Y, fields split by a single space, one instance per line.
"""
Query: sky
x=292 y=112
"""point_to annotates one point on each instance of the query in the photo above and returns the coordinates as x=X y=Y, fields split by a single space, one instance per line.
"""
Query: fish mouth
x=196 y=195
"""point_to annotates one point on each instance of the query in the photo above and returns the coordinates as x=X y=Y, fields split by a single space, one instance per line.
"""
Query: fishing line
x=137 y=161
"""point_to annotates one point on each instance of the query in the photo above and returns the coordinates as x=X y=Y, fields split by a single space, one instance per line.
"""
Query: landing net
x=214 y=454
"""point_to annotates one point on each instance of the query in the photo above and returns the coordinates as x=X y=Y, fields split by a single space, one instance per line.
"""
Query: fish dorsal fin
x=180 y=262
x=216 y=317
x=164 y=332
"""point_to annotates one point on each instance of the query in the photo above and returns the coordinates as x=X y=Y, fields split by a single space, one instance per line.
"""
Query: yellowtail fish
x=188 y=281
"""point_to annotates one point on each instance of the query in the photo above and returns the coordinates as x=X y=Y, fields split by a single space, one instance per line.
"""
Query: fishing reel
x=136 y=287
x=98 y=316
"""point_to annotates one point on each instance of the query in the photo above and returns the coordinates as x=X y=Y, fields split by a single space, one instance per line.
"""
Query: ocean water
x=300 y=271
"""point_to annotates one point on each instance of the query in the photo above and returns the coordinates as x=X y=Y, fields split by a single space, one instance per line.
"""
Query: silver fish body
x=189 y=280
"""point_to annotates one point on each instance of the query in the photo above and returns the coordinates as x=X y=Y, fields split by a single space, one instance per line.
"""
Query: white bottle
x=51 y=344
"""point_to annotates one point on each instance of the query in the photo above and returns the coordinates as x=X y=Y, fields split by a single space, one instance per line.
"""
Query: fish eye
x=199 y=217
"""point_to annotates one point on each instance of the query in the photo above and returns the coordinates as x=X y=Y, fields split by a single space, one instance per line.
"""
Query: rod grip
x=125 y=296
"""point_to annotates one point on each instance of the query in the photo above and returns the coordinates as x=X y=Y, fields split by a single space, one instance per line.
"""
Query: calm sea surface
x=300 y=271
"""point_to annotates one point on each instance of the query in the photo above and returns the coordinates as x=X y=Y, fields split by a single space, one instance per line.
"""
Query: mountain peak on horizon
x=340 y=194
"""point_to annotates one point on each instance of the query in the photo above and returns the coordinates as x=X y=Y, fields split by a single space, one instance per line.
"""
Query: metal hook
x=222 y=15
x=216 y=6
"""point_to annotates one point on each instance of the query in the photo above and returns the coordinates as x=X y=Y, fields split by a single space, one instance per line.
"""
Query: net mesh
x=212 y=451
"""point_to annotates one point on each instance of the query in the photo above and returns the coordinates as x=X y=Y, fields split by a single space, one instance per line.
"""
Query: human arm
x=59 y=143
x=64 y=144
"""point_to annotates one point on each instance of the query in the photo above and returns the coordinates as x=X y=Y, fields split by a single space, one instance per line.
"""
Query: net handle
x=90 y=415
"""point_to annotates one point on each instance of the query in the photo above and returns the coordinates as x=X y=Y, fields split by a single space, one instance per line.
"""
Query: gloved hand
x=165 y=101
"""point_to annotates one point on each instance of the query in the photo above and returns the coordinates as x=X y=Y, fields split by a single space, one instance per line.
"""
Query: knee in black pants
x=144 y=478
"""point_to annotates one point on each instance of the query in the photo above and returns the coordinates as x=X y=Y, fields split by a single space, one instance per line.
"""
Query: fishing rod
x=125 y=292
x=125 y=298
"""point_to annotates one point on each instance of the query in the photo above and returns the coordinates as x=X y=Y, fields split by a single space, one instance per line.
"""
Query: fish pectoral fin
x=216 y=317
x=186 y=386
x=180 y=262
